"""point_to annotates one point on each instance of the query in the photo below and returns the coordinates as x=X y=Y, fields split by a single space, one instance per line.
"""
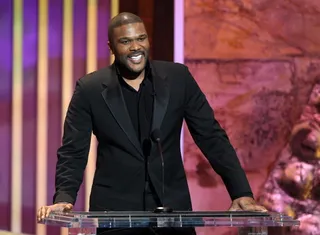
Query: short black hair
x=122 y=19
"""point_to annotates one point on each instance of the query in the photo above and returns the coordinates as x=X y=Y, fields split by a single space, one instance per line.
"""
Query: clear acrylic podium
x=248 y=223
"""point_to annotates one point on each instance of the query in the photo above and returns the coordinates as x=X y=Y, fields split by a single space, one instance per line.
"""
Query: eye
x=140 y=39
x=125 y=42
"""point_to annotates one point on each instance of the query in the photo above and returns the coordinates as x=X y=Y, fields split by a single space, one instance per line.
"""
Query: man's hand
x=44 y=211
x=246 y=204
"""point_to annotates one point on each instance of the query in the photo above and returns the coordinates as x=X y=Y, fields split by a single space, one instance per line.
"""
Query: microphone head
x=155 y=135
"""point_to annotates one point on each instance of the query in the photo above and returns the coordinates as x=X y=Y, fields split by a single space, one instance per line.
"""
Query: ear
x=110 y=47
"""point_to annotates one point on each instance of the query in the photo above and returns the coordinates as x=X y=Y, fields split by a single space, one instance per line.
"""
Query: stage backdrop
x=258 y=64
x=45 y=46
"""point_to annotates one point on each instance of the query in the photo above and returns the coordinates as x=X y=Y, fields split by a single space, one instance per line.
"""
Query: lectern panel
x=253 y=223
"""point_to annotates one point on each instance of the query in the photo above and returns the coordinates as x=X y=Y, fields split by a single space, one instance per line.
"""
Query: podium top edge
x=168 y=214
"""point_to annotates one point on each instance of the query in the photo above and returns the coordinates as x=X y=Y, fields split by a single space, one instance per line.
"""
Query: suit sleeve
x=213 y=141
x=73 y=153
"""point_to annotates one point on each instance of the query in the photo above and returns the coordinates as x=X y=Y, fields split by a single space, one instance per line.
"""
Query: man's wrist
x=63 y=197
x=246 y=194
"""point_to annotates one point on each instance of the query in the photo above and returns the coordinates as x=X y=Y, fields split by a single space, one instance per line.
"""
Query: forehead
x=129 y=30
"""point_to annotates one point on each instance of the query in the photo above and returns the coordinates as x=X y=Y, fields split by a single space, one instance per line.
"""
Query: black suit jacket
x=98 y=106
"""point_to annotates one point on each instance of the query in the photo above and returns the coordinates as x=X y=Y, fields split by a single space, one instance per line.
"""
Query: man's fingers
x=234 y=208
x=39 y=214
x=48 y=212
x=247 y=204
x=43 y=212
x=261 y=208
x=253 y=207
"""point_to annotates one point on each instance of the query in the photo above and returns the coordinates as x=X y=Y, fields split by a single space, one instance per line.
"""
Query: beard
x=133 y=64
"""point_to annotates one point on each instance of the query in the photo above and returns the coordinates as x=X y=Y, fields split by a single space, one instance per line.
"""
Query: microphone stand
x=162 y=209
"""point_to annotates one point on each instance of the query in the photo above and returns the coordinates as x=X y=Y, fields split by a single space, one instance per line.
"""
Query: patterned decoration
x=293 y=187
x=46 y=45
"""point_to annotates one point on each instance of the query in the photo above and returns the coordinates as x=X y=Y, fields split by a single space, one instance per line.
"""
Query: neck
x=133 y=76
x=132 y=79
x=135 y=82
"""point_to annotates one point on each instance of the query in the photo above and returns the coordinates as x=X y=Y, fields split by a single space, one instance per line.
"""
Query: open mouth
x=136 y=58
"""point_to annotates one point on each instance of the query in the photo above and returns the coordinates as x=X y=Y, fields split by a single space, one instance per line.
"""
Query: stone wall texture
x=258 y=62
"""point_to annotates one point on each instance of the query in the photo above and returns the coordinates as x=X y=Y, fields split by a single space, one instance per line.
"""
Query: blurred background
x=258 y=63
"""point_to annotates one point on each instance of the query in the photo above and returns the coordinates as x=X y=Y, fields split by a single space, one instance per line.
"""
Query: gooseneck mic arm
x=156 y=138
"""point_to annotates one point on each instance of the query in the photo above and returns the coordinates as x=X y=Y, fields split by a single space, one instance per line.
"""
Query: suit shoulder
x=167 y=65
x=94 y=77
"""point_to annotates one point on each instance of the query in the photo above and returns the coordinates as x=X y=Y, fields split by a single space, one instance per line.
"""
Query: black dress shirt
x=140 y=108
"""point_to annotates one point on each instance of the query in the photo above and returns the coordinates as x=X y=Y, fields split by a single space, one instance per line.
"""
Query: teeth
x=138 y=57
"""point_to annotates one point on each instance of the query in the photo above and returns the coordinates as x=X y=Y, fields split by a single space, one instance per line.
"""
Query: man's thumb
x=68 y=207
x=234 y=207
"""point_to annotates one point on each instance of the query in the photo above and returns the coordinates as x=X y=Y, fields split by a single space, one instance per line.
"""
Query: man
x=123 y=105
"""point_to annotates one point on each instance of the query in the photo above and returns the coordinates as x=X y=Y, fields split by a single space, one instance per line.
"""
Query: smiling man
x=128 y=41
x=123 y=105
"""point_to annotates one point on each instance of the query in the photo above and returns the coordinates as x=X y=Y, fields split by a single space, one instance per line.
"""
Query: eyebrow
x=131 y=38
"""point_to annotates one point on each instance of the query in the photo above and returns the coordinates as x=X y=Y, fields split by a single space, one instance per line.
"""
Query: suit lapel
x=161 y=98
x=112 y=95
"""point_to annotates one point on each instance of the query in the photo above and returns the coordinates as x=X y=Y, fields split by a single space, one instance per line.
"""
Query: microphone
x=155 y=137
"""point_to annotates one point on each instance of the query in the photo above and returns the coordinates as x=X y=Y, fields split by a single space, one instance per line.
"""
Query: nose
x=135 y=46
